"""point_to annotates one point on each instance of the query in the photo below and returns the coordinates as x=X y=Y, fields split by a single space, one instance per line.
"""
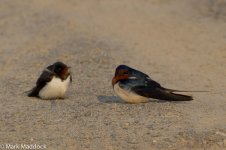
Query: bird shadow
x=109 y=99
x=115 y=99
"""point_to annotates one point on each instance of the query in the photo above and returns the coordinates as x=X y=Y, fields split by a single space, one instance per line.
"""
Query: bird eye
x=58 y=69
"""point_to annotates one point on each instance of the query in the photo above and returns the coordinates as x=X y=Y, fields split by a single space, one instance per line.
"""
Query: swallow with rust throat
x=53 y=82
x=134 y=86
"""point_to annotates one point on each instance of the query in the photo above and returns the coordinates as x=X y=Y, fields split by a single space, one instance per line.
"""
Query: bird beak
x=65 y=72
x=117 y=78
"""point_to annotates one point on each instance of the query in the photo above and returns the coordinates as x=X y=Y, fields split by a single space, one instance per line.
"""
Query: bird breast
x=56 y=88
x=128 y=95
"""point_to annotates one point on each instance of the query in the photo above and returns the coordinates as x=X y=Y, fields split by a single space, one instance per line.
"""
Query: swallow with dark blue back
x=53 y=82
x=134 y=86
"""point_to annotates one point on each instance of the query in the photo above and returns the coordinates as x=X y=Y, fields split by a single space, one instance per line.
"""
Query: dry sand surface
x=180 y=43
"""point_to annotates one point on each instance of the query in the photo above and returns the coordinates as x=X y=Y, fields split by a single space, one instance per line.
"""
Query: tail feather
x=170 y=96
x=33 y=92
x=171 y=90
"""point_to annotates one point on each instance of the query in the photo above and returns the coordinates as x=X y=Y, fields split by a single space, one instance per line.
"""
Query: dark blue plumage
x=134 y=86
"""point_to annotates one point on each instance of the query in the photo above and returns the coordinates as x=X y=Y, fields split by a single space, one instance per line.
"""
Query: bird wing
x=134 y=82
x=145 y=87
x=45 y=77
x=152 y=89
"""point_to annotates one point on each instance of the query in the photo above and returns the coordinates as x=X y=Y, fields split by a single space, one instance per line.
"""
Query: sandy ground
x=180 y=43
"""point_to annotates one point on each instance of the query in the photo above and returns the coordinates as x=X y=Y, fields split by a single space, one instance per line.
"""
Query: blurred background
x=180 y=43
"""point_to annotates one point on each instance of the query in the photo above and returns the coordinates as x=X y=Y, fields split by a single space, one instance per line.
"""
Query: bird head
x=122 y=72
x=61 y=70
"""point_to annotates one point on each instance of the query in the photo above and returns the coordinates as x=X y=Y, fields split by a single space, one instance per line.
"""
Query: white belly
x=56 y=88
x=129 y=96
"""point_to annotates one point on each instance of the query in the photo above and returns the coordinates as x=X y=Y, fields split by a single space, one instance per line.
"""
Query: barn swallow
x=53 y=82
x=134 y=86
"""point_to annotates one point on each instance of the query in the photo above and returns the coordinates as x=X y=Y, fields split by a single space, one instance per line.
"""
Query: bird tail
x=171 y=90
x=170 y=96
x=32 y=93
